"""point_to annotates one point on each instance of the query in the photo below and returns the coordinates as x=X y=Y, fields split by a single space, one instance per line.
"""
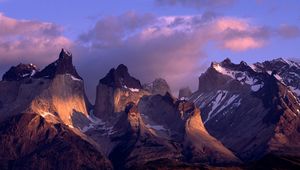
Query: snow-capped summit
x=240 y=73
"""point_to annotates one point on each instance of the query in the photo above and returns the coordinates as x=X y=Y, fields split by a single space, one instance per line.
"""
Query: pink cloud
x=223 y=24
x=29 y=41
x=242 y=44
x=238 y=35
x=171 y=47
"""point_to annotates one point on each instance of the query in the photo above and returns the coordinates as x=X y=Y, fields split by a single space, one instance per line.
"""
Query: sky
x=172 y=39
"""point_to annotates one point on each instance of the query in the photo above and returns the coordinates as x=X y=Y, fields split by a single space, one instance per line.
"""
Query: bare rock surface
x=29 y=141
x=158 y=86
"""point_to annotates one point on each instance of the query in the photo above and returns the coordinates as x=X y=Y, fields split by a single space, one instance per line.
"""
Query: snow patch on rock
x=74 y=78
x=155 y=127
x=256 y=87
x=134 y=90
x=221 y=95
x=242 y=77
x=295 y=90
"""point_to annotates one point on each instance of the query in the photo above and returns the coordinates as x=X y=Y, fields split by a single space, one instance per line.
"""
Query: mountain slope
x=57 y=90
x=288 y=71
x=29 y=141
x=251 y=112
x=140 y=129
x=180 y=121
x=41 y=114
x=115 y=90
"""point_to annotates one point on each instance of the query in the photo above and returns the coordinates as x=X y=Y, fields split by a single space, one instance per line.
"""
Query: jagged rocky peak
x=184 y=93
x=287 y=71
x=281 y=65
x=20 y=72
x=115 y=90
x=227 y=64
x=120 y=78
x=228 y=92
x=63 y=65
x=158 y=86
x=56 y=91
x=226 y=61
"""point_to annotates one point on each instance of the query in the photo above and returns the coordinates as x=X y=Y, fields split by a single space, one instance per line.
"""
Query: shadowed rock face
x=289 y=72
x=158 y=86
x=137 y=144
x=63 y=65
x=120 y=78
x=183 y=124
x=185 y=93
x=244 y=107
x=28 y=141
x=157 y=130
x=20 y=72
x=115 y=90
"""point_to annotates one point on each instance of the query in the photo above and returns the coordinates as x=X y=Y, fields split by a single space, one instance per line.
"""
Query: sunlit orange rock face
x=57 y=90
x=41 y=114
x=30 y=141
x=64 y=96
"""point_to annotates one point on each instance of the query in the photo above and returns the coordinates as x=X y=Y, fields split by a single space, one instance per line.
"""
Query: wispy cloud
x=29 y=41
x=171 y=47
x=289 y=31
x=206 y=4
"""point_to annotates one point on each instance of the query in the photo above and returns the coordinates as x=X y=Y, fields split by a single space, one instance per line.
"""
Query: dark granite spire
x=120 y=78
x=63 y=65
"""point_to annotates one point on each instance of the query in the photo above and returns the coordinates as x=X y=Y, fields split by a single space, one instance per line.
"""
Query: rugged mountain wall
x=115 y=91
x=248 y=109
x=248 y=112
x=57 y=90
x=288 y=71
x=180 y=121
x=42 y=113
x=29 y=141
x=138 y=144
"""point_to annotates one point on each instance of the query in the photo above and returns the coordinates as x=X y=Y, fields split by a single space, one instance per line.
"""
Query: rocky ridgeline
x=242 y=116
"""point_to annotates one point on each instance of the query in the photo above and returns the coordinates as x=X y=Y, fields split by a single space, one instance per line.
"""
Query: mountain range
x=240 y=117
